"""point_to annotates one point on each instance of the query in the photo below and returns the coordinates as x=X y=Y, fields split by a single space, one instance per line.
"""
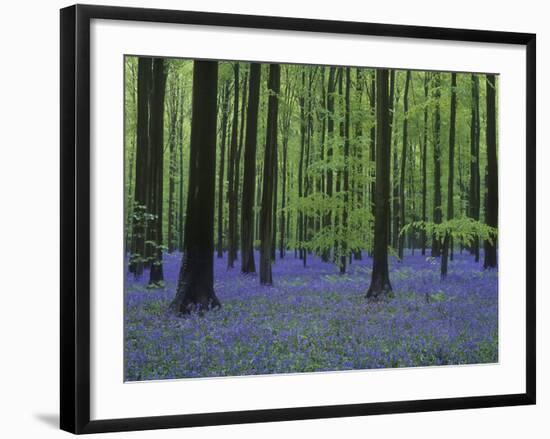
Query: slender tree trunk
x=301 y=237
x=231 y=198
x=225 y=110
x=181 y=205
x=330 y=152
x=491 y=214
x=266 y=215
x=156 y=132
x=402 y=218
x=343 y=244
x=249 y=178
x=425 y=161
x=380 y=281
x=450 y=186
x=173 y=133
x=373 y=148
x=437 y=214
x=142 y=159
x=475 y=186
x=195 y=291
x=237 y=179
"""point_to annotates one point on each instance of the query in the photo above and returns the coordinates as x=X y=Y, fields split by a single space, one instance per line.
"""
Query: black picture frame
x=75 y=217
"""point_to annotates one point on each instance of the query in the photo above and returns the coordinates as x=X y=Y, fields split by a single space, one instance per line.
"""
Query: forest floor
x=314 y=319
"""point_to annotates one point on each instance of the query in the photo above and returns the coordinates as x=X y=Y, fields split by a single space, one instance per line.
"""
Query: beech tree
x=380 y=281
x=270 y=156
x=195 y=289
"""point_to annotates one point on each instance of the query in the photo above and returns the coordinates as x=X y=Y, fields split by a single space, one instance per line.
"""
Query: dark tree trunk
x=231 y=196
x=402 y=218
x=266 y=214
x=181 y=221
x=237 y=179
x=437 y=214
x=380 y=282
x=425 y=162
x=475 y=186
x=286 y=134
x=195 y=291
x=249 y=178
x=156 y=132
x=450 y=186
x=357 y=183
x=225 y=110
x=491 y=214
x=343 y=244
x=330 y=152
x=394 y=210
x=172 y=141
x=301 y=237
x=142 y=159
x=373 y=145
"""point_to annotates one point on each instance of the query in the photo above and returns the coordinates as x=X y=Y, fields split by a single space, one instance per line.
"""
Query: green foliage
x=463 y=230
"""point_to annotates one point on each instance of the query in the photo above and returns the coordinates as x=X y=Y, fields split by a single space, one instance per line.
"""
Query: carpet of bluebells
x=314 y=319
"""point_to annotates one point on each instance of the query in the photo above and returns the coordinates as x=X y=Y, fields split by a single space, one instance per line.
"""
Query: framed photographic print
x=268 y=218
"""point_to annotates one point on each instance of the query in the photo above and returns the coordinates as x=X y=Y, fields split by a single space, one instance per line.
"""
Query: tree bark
x=437 y=213
x=266 y=214
x=156 y=132
x=195 y=291
x=475 y=186
x=249 y=178
x=225 y=110
x=491 y=215
x=142 y=159
x=425 y=161
x=380 y=281
x=231 y=196
x=402 y=218
x=450 y=186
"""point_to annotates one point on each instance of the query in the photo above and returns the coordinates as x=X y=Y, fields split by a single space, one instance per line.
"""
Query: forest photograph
x=285 y=218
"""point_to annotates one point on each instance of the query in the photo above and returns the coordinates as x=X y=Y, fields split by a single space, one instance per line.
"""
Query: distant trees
x=307 y=159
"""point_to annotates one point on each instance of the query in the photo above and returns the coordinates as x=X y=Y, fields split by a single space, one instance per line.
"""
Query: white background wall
x=29 y=237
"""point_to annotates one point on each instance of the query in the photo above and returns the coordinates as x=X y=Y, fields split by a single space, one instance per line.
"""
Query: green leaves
x=463 y=230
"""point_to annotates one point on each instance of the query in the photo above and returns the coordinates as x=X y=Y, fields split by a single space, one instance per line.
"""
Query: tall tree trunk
x=392 y=234
x=249 y=178
x=142 y=160
x=195 y=291
x=380 y=281
x=231 y=197
x=330 y=152
x=343 y=244
x=450 y=186
x=402 y=219
x=181 y=208
x=237 y=179
x=225 y=110
x=266 y=214
x=373 y=148
x=425 y=161
x=475 y=186
x=437 y=214
x=156 y=132
x=286 y=134
x=173 y=138
x=301 y=237
x=491 y=214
